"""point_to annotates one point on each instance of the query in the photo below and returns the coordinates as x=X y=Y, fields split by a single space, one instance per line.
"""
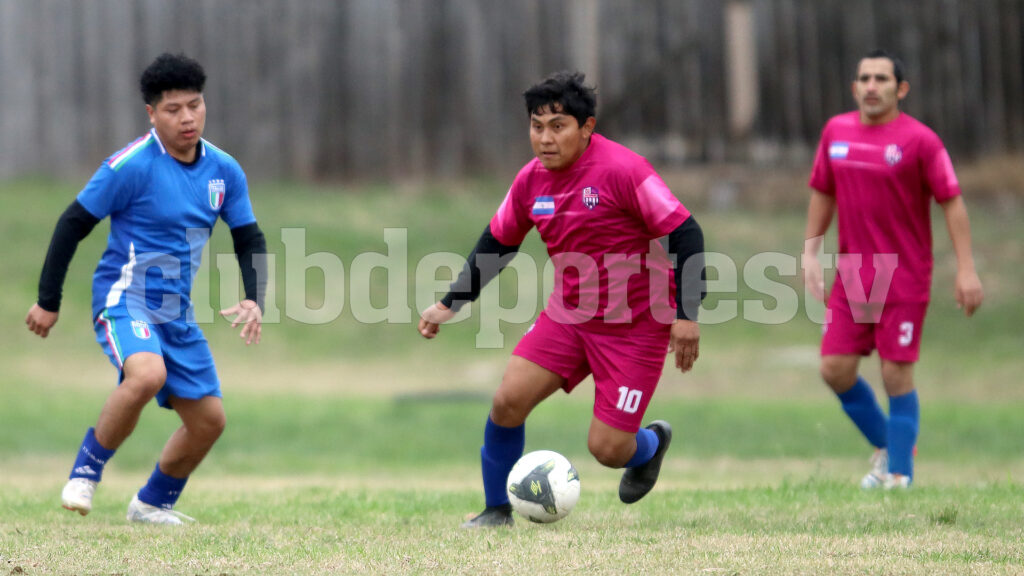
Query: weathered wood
x=408 y=88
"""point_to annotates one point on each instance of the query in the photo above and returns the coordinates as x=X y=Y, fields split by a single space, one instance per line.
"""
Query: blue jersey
x=162 y=212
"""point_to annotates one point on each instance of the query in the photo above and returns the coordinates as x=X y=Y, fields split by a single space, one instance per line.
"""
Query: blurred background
x=406 y=89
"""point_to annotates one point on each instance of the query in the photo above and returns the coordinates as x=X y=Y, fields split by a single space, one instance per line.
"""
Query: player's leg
x=203 y=422
x=904 y=419
x=193 y=391
x=144 y=376
x=627 y=367
x=899 y=342
x=524 y=385
x=545 y=360
x=845 y=341
x=135 y=351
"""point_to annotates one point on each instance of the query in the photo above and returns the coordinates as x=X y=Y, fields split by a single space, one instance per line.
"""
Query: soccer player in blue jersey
x=163 y=194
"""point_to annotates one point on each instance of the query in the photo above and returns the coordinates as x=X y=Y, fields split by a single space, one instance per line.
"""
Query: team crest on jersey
x=590 y=197
x=893 y=154
x=216 y=188
x=141 y=329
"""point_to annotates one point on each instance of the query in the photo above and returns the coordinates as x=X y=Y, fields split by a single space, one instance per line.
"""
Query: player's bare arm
x=819 y=217
x=967 y=289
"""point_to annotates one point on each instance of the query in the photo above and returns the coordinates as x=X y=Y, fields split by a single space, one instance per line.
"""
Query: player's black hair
x=565 y=92
x=898 y=69
x=170 y=72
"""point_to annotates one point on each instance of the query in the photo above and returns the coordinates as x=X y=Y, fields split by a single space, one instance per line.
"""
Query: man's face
x=876 y=91
x=179 y=118
x=557 y=139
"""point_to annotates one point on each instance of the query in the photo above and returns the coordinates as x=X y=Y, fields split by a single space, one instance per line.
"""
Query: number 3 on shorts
x=906 y=333
x=629 y=400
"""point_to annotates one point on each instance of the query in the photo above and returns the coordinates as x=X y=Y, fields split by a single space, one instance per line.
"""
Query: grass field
x=352 y=447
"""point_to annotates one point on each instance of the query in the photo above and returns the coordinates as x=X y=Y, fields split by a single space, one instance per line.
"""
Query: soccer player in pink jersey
x=616 y=307
x=879 y=169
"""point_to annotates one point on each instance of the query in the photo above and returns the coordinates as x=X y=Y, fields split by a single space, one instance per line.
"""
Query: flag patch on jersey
x=590 y=197
x=141 y=329
x=216 y=193
x=544 y=205
x=839 y=150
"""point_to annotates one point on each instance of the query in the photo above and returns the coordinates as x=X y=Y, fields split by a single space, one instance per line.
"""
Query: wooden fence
x=382 y=89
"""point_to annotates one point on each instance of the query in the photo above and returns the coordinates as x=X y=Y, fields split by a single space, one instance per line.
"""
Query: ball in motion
x=543 y=486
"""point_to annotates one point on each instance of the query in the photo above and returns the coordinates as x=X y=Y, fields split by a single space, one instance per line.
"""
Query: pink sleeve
x=821 y=174
x=661 y=211
x=508 y=225
x=938 y=170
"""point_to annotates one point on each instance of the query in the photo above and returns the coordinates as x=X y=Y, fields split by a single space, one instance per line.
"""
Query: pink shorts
x=893 y=329
x=626 y=364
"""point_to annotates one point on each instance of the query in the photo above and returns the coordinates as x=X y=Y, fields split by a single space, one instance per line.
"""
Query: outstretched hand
x=432 y=318
x=684 y=341
x=249 y=315
x=40 y=321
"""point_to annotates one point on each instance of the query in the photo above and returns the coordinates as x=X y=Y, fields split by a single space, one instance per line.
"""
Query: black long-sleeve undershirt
x=73 y=226
x=76 y=223
x=251 y=250
x=686 y=242
x=488 y=258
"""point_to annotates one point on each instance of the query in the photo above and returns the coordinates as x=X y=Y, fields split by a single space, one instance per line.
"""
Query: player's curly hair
x=563 y=91
x=170 y=72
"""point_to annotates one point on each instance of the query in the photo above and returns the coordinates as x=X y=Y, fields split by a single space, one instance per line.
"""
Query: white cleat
x=139 y=511
x=879 y=471
x=77 y=495
x=897 y=482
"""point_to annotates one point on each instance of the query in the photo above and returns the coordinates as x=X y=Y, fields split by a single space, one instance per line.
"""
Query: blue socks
x=904 y=419
x=502 y=447
x=860 y=405
x=646 y=446
x=91 y=458
x=162 y=490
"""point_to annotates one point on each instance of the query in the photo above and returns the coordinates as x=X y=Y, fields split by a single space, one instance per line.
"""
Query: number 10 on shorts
x=629 y=400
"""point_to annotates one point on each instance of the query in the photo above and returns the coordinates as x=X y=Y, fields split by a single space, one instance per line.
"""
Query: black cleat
x=637 y=482
x=492 y=517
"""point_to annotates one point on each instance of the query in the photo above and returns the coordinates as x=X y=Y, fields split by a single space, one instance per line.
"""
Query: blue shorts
x=190 y=370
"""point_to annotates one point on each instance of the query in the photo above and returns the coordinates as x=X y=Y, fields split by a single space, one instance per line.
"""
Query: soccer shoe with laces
x=492 y=517
x=879 y=470
x=637 y=482
x=77 y=495
x=139 y=511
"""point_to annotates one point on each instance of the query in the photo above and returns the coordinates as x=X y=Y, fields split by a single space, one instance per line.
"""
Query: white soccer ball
x=543 y=486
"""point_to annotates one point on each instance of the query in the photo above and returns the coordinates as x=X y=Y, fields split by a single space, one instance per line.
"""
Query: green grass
x=353 y=447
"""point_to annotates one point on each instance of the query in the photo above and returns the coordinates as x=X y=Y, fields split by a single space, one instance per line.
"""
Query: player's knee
x=146 y=381
x=507 y=409
x=610 y=454
x=213 y=426
x=897 y=378
x=837 y=374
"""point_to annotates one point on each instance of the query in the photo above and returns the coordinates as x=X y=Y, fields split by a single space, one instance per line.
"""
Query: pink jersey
x=598 y=220
x=883 y=178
